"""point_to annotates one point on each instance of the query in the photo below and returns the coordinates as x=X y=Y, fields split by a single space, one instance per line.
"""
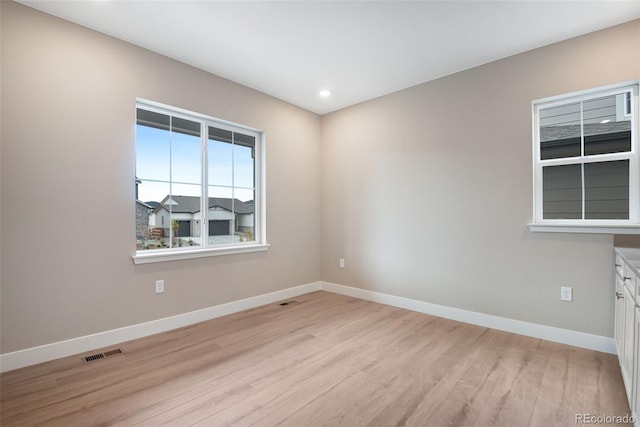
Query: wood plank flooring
x=324 y=360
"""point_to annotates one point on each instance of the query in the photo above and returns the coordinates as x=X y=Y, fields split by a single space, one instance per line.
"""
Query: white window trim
x=163 y=255
x=260 y=244
x=630 y=226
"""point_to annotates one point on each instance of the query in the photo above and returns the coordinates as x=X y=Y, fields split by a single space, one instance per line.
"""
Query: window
x=198 y=185
x=586 y=161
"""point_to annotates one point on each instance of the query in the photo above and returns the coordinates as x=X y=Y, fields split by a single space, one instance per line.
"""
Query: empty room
x=316 y=213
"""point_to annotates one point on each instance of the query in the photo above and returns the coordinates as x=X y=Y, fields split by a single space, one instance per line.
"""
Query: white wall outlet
x=159 y=286
x=341 y=262
x=566 y=293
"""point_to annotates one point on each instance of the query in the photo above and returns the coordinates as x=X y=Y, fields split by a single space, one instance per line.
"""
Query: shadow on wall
x=626 y=241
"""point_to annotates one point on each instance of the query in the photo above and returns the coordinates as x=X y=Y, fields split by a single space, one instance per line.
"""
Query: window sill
x=146 y=258
x=591 y=229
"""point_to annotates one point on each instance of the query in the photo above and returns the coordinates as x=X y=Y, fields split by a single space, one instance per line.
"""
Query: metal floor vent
x=100 y=356
x=288 y=302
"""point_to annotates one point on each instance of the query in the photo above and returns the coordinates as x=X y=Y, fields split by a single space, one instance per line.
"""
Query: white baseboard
x=549 y=333
x=44 y=353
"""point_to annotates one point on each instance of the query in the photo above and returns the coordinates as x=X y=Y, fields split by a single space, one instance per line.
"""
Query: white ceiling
x=358 y=50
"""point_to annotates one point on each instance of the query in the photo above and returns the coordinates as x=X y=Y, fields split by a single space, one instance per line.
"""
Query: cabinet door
x=629 y=279
x=618 y=332
x=619 y=264
x=628 y=344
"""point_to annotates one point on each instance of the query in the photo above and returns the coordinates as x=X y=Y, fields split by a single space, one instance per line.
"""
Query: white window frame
x=207 y=250
x=630 y=226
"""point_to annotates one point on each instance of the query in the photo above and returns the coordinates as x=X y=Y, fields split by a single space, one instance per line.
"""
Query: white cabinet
x=619 y=319
x=627 y=322
x=635 y=407
x=619 y=265
x=626 y=361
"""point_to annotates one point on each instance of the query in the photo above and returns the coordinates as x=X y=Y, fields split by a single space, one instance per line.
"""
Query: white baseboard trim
x=47 y=352
x=549 y=333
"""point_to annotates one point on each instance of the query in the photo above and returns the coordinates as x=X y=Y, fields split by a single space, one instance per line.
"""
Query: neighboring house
x=613 y=108
x=226 y=216
x=608 y=196
x=153 y=204
x=606 y=129
x=565 y=141
x=142 y=220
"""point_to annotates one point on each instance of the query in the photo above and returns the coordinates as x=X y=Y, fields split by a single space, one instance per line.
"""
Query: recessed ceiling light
x=324 y=93
x=605 y=121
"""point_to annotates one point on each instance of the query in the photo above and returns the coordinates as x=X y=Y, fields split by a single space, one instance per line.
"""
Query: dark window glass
x=562 y=192
x=603 y=133
x=607 y=190
x=560 y=131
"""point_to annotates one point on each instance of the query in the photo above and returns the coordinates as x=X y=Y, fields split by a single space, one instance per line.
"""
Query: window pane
x=185 y=127
x=185 y=157
x=244 y=195
x=222 y=218
x=173 y=219
x=151 y=192
x=231 y=215
x=243 y=166
x=220 y=151
x=560 y=131
x=244 y=140
x=562 y=192
x=607 y=190
x=152 y=119
x=151 y=221
x=605 y=128
x=167 y=148
x=245 y=214
x=224 y=192
x=180 y=216
x=153 y=153
x=221 y=135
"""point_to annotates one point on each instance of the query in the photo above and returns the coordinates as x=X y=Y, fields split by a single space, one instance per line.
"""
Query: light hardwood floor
x=326 y=359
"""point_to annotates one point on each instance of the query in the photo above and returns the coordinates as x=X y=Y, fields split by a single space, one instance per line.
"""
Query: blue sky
x=164 y=156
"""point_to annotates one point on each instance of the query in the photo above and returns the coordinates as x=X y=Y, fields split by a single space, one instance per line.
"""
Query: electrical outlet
x=566 y=293
x=341 y=262
x=159 y=286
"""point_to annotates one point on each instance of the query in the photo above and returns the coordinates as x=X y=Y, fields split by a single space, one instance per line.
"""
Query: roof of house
x=146 y=205
x=191 y=204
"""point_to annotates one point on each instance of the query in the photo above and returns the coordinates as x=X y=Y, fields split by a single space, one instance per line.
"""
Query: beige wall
x=68 y=108
x=427 y=192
